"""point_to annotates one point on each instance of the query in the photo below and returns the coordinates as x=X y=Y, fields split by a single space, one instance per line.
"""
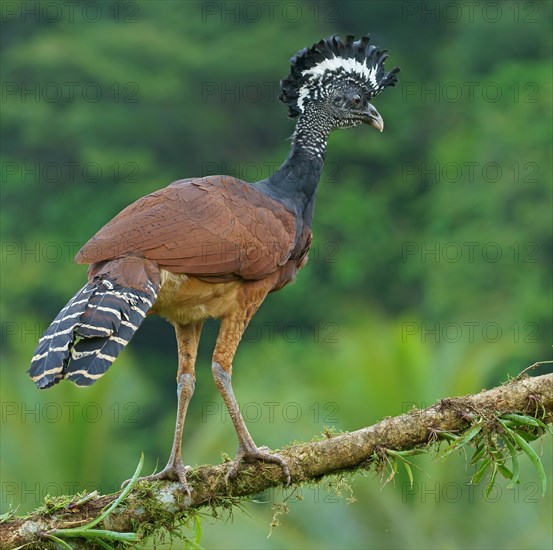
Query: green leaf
x=193 y=545
x=120 y=498
x=461 y=441
x=478 y=453
x=477 y=477
x=521 y=442
x=197 y=530
x=86 y=531
x=514 y=456
x=448 y=436
x=400 y=455
x=492 y=480
x=407 y=452
x=95 y=534
x=527 y=436
x=496 y=454
x=504 y=471
x=409 y=472
x=525 y=420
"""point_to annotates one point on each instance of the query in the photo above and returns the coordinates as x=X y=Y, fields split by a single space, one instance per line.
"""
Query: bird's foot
x=175 y=471
x=262 y=454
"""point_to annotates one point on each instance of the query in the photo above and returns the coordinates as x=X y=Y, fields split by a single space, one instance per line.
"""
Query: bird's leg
x=229 y=337
x=188 y=337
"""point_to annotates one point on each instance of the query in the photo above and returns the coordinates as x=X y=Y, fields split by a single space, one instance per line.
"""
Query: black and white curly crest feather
x=313 y=68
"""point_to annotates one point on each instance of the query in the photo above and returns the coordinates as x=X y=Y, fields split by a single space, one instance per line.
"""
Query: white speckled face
x=336 y=66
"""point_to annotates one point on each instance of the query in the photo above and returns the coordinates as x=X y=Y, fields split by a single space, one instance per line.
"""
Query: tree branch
x=151 y=505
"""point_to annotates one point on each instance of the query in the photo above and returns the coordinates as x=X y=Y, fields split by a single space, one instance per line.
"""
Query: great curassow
x=213 y=247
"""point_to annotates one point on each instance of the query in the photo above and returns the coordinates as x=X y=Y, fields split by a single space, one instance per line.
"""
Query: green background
x=429 y=276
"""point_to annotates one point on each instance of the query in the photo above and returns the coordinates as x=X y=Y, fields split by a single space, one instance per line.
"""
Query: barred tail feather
x=121 y=308
x=90 y=331
x=52 y=353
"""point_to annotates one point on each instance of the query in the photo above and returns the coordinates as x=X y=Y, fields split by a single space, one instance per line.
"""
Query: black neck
x=295 y=182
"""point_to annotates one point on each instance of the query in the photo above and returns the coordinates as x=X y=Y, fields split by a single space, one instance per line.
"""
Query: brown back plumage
x=213 y=226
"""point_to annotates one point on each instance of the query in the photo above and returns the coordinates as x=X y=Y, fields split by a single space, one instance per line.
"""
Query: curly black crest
x=311 y=69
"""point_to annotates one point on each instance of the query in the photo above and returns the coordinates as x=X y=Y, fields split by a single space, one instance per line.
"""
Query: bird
x=214 y=247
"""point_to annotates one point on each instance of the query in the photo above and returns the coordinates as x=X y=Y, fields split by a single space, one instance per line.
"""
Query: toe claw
x=234 y=465
x=171 y=472
x=261 y=454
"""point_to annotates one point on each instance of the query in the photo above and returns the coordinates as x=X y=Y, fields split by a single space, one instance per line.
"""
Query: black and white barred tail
x=90 y=331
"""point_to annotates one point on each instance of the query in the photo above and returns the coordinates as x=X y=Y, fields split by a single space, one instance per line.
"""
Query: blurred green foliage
x=429 y=276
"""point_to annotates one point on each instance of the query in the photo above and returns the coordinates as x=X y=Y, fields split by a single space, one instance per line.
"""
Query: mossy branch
x=151 y=507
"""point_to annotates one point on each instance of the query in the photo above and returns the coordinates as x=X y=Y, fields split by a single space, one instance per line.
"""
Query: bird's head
x=339 y=79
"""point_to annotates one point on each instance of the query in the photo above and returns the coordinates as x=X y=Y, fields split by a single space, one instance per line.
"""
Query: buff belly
x=184 y=299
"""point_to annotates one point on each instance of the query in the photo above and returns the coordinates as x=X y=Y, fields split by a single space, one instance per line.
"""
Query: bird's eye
x=356 y=100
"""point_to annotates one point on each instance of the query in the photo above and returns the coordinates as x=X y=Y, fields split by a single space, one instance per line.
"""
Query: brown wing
x=213 y=226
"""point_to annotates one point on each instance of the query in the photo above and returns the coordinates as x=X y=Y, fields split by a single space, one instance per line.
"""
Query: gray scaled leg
x=188 y=337
x=230 y=333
